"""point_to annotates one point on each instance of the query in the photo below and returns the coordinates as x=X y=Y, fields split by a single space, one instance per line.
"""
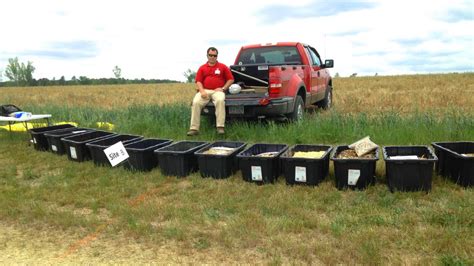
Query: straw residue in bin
x=363 y=148
x=309 y=154
x=267 y=154
x=219 y=151
x=350 y=154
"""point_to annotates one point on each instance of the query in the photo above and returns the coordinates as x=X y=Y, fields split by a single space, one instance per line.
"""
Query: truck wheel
x=326 y=103
x=297 y=113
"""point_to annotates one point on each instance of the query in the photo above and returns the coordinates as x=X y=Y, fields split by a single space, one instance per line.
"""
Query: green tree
x=83 y=80
x=21 y=74
x=189 y=75
x=62 y=81
x=117 y=72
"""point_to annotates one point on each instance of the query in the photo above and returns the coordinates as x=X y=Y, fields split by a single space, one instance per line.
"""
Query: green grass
x=281 y=223
x=172 y=121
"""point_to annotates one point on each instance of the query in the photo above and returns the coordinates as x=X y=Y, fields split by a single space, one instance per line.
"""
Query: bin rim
x=385 y=156
x=33 y=132
x=327 y=152
x=45 y=129
x=66 y=131
x=437 y=145
x=94 y=143
x=70 y=141
x=165 y=142
x=283 y=149
x=238 y=149
x=200 y=145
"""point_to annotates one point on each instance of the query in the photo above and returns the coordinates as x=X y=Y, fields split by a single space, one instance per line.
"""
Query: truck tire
x=326 y=103
x=298 y=110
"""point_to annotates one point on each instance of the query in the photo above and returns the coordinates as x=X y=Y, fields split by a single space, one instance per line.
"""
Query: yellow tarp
x=21 y=127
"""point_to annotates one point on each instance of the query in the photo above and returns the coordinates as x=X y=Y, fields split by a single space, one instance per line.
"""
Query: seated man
x=212 y=80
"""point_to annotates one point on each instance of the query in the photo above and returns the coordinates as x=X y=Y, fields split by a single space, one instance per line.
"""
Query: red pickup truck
x=278 y=80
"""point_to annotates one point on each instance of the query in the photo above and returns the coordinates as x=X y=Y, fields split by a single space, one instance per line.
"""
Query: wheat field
x=402 y=94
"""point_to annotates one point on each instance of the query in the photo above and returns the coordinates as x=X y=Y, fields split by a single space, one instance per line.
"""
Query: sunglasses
x=212 y=55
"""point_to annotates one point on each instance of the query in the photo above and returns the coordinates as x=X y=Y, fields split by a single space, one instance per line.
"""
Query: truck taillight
x=274 y=82
x=274 y=89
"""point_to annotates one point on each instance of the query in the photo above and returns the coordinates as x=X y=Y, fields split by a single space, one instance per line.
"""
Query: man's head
x=212 y=55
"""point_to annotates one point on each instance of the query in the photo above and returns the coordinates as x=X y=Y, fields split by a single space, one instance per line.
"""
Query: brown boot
x=192 y=132
x=220 y=131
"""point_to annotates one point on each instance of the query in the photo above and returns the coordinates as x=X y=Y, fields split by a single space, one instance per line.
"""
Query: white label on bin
x=256 y=173
x=54 y=148
x=116 y=153
x=80 y=131
x=34 y=140
x=353 y=177
x=73 y=152
x=300 y=174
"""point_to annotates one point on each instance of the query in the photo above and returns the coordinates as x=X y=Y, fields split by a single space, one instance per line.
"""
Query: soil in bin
x=351 y=154
x=266 y=154
x=219 y=151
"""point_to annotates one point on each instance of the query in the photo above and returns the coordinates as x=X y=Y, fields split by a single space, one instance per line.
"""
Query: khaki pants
x=218 y=98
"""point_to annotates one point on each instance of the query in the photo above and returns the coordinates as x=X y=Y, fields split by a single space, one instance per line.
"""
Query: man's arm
x=200 y=89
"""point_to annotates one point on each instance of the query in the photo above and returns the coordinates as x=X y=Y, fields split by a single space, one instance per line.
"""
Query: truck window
x=308 y=54
x=278 y=55
x=315 y=57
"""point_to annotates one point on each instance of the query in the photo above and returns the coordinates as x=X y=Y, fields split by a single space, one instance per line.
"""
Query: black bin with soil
x=409 y=174
x=353 y=172
x=260 y=163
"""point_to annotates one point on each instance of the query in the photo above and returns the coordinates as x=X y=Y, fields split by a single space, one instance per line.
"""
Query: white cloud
x=153 y=39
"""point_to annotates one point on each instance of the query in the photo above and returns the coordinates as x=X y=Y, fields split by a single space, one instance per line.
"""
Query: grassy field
x=55 y=211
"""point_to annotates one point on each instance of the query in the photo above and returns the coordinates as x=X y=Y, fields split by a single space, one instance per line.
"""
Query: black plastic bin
x=261 y=170
x=141 y=156
x=308 y=171
x=39 y=140
x=178 y=159
x=409 y=174
x=453 y=163
x=76 y=145
x=97 y=147
x=55 y=145
x=219 y=165
x=347 y=170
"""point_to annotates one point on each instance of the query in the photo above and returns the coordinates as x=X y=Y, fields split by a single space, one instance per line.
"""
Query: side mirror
x=328 y=63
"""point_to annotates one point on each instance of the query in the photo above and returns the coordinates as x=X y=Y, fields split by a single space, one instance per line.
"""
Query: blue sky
x=156 y=39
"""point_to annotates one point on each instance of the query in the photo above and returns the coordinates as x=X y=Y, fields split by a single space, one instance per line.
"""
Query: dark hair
x=212 y=49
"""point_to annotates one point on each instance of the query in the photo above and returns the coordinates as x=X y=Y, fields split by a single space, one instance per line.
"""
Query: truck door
x=319 y=78
x=313 y=73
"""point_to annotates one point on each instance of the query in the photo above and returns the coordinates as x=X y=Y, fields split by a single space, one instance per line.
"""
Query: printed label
x=116 y=153
x=73 y=152
x=300 y=174
x=353 y=177
x=256 y=173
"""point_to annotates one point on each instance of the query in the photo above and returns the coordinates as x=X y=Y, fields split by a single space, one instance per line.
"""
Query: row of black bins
x=185 y=157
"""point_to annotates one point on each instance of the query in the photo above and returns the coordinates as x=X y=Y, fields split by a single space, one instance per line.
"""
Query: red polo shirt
x=213 y=77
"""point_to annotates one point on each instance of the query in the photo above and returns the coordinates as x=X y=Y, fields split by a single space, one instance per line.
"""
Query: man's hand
x=204 y=94
x=219 y=89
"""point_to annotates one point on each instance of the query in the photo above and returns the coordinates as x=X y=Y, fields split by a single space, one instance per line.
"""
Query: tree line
x=21 y=74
